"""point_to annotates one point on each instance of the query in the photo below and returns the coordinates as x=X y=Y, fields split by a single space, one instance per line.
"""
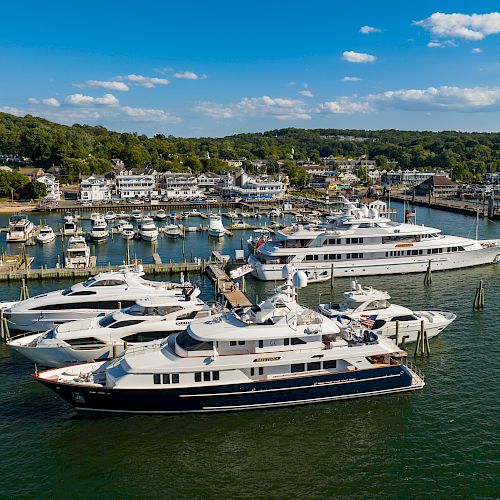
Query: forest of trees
x=84 y=149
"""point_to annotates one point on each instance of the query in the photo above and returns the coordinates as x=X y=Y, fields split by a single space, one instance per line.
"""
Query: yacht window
x=379 y=323
x=252 y=372
x=156 y=378
x=299 y=367
x=189 y=315
x=329 y=364
x=261 y=370
x=232 y=342
x=138 y=310
x=297 y=341
x=314 y=366
x=286 y=341
x=404 y=318
x=241 y=342
x=128 y=322
x=206 y=376
x=461 y=249
x=99 y=305
x=166 y=378
x=197 y=377
x=146 y=336
x=107 y=320
x=89 y=282
x=82 y=292
x=110 y=282
x=175 y=378
x=378 y=304
x=64 y=292
x=83 y=342
x=312 y=257
x=334 y=256
x=215 y=376
x=261 y=344
x=188 y=343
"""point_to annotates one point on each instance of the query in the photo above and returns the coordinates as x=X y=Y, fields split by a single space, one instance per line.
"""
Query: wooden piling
x=422 y=346
x=479 y=298
x=428 y=275
x=331 y=277
x=397 y=332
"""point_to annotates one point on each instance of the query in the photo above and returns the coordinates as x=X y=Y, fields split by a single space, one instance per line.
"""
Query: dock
x=224 y=286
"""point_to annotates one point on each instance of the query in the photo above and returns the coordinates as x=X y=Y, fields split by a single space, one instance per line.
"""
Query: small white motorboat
x=110 y=216
x=148 y=231
x=46 y=235
x=161 y=214
x=128 y=231
x=172 y=231
x=136 y=215
x=216 y=228
x=99 y=231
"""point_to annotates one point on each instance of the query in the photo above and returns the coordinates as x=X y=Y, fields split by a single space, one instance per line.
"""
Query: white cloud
x=279 y=108
x=100 y=84
x=12 y=110
x=87 y=100
x=464 y=26
x=149 y=115
x=149 y=82
x=163 y=70
x=444 y=98
x=367 y=30
x=189 y=75
x=306 y=93
x=441 y=44
x=357 y=57
x=476 y=50
x=33 y=100
x=351 y=79
x=51 y=101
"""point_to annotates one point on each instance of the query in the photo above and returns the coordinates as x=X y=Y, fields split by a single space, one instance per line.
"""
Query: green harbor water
x=441 y=442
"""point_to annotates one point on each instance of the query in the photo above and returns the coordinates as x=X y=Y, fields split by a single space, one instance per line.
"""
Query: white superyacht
x=361 y=242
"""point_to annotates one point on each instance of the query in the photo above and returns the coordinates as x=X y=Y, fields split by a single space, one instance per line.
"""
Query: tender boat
x=161 y=214
x=273 y=354
x=20 y=229
x=372 y=308
x=122 y=216
x=100 y=294
x=46 y=235
x=173 y=231
x=216 y=228
x=192 y=213
x=77 y=255
x=99 y=231
x=121 y=223
x=148 y=231
x=94 y=216
x=258 y=238
x=362 y=242
x=104 y=337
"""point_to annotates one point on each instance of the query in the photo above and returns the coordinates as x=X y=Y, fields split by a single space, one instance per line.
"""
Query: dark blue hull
x=266 y=394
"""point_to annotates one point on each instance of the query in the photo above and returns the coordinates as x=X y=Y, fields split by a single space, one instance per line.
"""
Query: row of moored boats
x=119 y=342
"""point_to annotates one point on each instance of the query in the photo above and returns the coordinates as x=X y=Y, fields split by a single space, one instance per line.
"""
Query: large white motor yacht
x=100 y=231
x=216 y=228
x=372 y=308
x=103 y=293
x=77 y=255
x=104 y=337
x=361 y=242
x=276 y=353
x=69 y=226
x=20 y=229
x=46 y=235
x=148 y=231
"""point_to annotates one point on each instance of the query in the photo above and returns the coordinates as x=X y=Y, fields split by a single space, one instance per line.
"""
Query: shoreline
x=10 y=207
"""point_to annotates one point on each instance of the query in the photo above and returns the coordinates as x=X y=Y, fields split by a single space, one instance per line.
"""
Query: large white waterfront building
x=94 y=189
x=129 y=185
x=179 y=186
x=52 y=185
x=361 y=242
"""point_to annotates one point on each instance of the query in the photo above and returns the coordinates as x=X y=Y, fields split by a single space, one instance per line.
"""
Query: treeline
x=84 y=149
x=15 y=186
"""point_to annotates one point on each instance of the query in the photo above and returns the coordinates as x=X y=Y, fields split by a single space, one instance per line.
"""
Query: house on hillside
x=32 y=172
x=437 y=185
x=52 y=185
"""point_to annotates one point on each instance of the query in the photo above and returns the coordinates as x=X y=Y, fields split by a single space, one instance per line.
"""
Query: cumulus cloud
x=306 y=93
x=464 y=26
x=149 y=82
x=367 y=30
x=351 y=79
x=357 y=57
x=277 y=107
x=441 y=44
x=50 y=101
x=100 y=84
x=149 y=115
x=444 y=98
x=476 y=50
x=87 y=100
x=189 y=75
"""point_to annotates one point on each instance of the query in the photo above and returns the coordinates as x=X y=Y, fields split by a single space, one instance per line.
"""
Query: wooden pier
x=224 y=286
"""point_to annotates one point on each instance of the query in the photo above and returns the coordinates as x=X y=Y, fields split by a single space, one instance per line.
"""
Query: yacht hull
x=378 y=267
x=235 y=397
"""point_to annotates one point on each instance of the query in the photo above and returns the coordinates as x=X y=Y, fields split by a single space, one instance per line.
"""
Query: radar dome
x=287 y=271
x=300 y=279
x=364 y=211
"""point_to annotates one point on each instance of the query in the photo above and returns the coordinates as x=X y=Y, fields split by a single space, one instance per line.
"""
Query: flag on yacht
x=368 y=321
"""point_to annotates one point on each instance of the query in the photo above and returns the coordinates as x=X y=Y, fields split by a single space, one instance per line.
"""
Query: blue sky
x=218 y=68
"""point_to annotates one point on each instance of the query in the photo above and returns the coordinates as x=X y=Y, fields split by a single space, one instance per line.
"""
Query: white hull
x=50 y=239
x=216 y=233
x=379 y=267
x=149 y=235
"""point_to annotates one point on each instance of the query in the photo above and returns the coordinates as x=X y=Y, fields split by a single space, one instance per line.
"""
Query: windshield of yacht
x=139 y=310
x=107 y=320
x=108 y=282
